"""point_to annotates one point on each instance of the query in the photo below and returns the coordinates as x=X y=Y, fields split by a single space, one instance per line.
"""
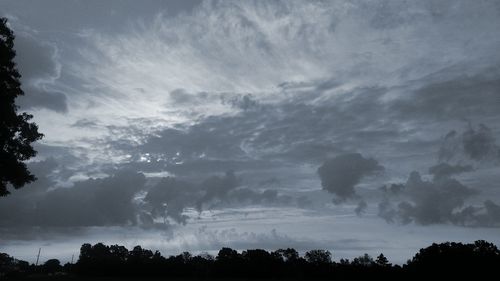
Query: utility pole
x=72 y=256
x=38 y=256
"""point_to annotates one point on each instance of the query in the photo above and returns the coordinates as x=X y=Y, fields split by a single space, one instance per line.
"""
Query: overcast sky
x=353 y=126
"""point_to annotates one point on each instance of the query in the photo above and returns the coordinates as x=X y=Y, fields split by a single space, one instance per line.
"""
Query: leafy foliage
x=16 y=132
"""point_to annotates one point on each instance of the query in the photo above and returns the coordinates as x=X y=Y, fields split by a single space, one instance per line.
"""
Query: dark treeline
x=449 y=259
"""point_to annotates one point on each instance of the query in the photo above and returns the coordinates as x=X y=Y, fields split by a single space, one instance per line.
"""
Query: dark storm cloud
x=217 y=187
x=93 y=202
x=478 y=144
x=124 y=198
x=433 y=201
x=38 y=66
x=440 y=200
x=341 y=174
x=44 y=171
x=229 y=190
x=170 y=197
x=444 y=199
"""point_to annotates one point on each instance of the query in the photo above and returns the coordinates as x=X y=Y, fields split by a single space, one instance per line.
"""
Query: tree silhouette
x=364 y=260
x=382 y=261
x=52 y=266
x=16 y=133
x=477 y=260
x=318 y=257
x=456 y=259
x=288 y=255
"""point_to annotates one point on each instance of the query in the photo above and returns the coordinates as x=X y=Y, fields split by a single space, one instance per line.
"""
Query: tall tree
x=16 y=132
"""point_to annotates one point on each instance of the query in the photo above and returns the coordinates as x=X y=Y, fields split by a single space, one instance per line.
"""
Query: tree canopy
x=16 y=132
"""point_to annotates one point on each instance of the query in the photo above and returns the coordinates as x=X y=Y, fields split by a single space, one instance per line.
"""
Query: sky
x=353 y=126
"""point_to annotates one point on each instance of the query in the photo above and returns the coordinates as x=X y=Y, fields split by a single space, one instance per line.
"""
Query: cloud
x=125 y=198
x=262 y=136
x=240 y=102
x=341 y=174
x=44 y=171
x=361 y=207
x=240 y=48
x=445 y=170
x=35 y=58
x=480 y=143
x=245 y=102
x=217 y=187
x=171 y=197
x=93 y=202
x=477 y=144
x=451 y=94
x=433 y=202
x=387 y=211
x=38 y=64
x=237 y=101
x=37 y=98
x=444 y=198
x=441 y=200
x=492 y=214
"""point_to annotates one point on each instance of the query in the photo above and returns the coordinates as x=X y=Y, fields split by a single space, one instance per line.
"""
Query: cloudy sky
x=353 y=126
